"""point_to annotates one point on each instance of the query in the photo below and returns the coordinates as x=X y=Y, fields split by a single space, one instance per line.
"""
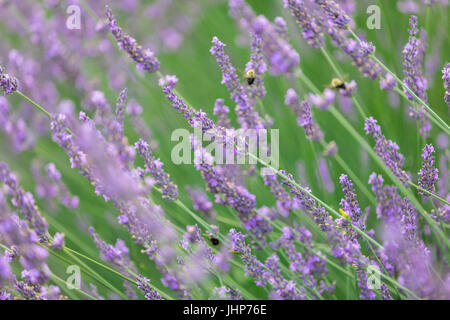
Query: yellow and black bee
x=337 y=83
x=214 y=241
x=250 y=75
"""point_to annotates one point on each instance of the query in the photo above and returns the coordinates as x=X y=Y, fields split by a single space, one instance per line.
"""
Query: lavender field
x=224 y=150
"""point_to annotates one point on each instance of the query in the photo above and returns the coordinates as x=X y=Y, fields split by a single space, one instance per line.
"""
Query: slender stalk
x=429 y=193
x=431 y=113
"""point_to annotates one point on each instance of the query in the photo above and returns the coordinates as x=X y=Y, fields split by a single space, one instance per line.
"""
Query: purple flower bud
x=387 y=150
x=428 y=174
x=145 y=59
x=8 y=83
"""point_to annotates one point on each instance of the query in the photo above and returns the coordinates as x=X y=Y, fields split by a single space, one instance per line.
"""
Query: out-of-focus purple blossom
x=281 y=28
x=310 y=30
x=149 y=292
x=284 y=202
x=8 y=83
x=282 y=289
x=58 y=241
x=221 y=111
x=323 y=100
x=5 y=271
x=304 y=116
x=23 y=201
x=15 y=127
x=282 y=58
x=52 y=186
x=413 y=59
x=388 y=82
x=120 y=108
x=145 y=59
x=331 y=149
x=197 y=119
x=224 y=293
x=134 y=110
x=4 y=295
x=387 y=150
x=324 y=174
x=446 y=77
x=334 y=13
x=428 y=174
x=384 y=292
x=154 y=167
x=350 y=88
x=201 y=202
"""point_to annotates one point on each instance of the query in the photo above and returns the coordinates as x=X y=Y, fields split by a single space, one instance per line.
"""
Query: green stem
x=429 y=193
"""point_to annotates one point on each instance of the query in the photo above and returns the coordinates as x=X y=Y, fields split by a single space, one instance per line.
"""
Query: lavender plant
x=92 y=119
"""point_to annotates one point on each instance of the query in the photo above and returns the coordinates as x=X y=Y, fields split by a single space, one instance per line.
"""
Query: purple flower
x=309 y=266
x=23 y=201
x=384 y=292
x=224 y=293
x=310 y=29
x=413 y=57
x=5 y=271
x=304 y=116
x=388 y=82
x=145 y=58
x=324 y=174
x=324 y=100
x=201 y=202
x=236 y=196
x=281 y=57
x=154 y=167
x=428 y=174
x=387 y=150
x=446 y=77
x=149 y=292
x=117 y=255
x=334 y=13
x=8 y=83
x=284 y=202
x=197 y=119
x=58 y=241
x=221 y=111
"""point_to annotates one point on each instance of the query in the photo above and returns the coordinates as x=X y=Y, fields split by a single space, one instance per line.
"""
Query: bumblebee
x=214 y=241
x=250 y=76
x=337 y=83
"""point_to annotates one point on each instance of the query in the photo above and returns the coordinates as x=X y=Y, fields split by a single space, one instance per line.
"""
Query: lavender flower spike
x=310 y=29
x=428 y=174
x=446 y=77
x=304 y=117
x=8 y=83
x=154 y=167
x=229 y=75
x=334 y=12
x=145 y=58
x=413 y=59
x=387 y=150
